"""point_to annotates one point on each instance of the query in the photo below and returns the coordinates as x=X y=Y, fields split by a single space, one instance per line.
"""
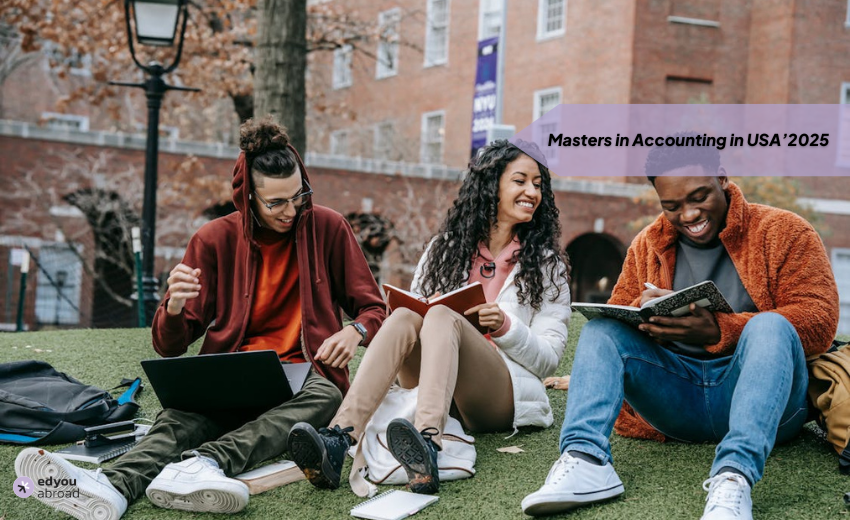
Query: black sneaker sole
x=308 y=452
x=411 y=451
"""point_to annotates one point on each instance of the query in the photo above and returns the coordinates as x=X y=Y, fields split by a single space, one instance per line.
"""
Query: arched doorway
x=596 y=260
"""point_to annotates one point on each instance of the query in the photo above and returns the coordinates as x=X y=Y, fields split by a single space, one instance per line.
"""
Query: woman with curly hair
x=274 y=275
x=502 y=231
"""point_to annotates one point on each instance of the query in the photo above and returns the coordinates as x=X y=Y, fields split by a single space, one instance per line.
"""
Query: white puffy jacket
x=532 y=347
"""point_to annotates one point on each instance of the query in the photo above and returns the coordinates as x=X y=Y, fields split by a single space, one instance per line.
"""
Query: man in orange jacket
x=738 y=379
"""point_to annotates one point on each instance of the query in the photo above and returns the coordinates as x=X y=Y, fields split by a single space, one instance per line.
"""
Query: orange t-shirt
x=275 y=321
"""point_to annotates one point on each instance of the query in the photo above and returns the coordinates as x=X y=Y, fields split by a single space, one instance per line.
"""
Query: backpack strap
x=127 y=405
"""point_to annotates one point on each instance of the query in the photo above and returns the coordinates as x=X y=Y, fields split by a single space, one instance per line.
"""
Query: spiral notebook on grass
x=393 y=505
x=96 y=454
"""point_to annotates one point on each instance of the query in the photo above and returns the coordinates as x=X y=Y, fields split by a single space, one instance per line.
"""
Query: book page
x=436 y=301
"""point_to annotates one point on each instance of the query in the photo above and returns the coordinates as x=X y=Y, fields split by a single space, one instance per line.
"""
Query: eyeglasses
x=296 y=201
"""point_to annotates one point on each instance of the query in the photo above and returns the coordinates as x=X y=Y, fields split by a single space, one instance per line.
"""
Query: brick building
x=394 y=133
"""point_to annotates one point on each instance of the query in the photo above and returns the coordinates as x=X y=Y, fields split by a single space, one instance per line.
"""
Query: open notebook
x=393 y=505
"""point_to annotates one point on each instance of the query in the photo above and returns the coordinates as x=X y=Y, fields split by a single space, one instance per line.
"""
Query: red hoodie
x=333 y=271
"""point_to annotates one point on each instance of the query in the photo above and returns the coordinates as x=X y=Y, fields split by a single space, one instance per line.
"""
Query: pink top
x=492 y=273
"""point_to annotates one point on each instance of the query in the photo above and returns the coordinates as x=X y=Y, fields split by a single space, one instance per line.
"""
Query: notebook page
x=393 y=505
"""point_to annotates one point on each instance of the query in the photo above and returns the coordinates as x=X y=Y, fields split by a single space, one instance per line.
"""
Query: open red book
x=458 y=300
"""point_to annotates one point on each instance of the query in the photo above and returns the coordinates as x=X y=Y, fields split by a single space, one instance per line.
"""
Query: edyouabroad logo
x=23 y=487
x=47 y=487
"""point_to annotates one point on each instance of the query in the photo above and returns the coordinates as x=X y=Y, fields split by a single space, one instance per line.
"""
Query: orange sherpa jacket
x=781 y=261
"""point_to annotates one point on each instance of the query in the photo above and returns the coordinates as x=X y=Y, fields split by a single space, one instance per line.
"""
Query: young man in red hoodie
x=243 y=279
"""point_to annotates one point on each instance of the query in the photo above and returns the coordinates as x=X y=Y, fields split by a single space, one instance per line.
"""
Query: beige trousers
x=447 y=358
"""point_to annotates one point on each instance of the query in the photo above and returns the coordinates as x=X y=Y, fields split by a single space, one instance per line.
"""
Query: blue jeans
x=746 y=402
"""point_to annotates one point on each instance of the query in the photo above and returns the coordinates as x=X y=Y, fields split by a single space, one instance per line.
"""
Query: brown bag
x=829 y=393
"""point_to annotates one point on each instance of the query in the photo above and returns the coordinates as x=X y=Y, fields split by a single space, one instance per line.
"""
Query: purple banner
x=753 y=140
x=484 y=99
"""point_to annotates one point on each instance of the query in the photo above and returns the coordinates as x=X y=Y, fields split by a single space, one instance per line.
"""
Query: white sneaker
x=728 y=498
x=197 y=484
x=82 y=493
x=571 y=483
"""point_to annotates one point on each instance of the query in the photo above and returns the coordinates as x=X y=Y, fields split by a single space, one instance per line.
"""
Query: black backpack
x=39 y=405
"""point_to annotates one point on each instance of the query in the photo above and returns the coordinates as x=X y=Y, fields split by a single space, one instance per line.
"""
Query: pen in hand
x=649 y=286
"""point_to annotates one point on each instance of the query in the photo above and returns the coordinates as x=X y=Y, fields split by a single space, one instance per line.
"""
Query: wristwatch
x=361 y=329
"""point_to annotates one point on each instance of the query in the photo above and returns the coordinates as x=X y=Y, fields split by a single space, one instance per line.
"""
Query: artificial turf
x=662 y=481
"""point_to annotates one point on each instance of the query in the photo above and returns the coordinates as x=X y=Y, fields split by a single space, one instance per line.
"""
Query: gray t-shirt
x=698 y=264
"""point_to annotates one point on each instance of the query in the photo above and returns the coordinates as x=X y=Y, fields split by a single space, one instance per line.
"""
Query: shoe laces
x=726 y=491
x=429 y=433
x=208 y=462
x=343 y=433
x=562 y=466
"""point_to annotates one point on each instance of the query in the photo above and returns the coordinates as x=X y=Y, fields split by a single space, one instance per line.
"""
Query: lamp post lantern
x=156 y=23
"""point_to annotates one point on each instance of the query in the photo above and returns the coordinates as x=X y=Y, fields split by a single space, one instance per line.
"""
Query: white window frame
x=424 y=142
x=386 y=19
x=538 y=97
x=339 y=139
x=843 y=138
x=69 y=120
x=342 y=67
x=380 y=146
x=435 y=25
x=843 y=295
x=543 y=20
x=847 y=21
x=50 y=307
x=484 y=8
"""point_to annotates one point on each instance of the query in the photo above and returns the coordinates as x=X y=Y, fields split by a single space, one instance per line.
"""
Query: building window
x=342 y=66
x=65 y=121
x=841 y=270
x=57 y=294
x=339 y=142
x=77 y=64
x=545 y=100
x=843 y=152
x=433 y=133
x=437 y=36
x=383 y=141
x=551 y=18
x=388 y=26
x=490 y=19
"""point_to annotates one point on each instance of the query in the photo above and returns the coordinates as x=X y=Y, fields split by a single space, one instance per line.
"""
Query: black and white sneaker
x=320 y=454
x=417 y=453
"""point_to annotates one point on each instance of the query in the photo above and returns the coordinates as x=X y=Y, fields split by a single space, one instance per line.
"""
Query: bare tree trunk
x=279 y=81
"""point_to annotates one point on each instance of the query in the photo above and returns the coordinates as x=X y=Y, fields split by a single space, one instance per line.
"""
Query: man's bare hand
x=339 y=349
x=700 y=328
x=651 y=294
x=184 y=283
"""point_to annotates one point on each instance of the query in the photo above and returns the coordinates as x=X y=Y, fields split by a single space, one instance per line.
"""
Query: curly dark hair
x=266 y=147
x=662 y=159
x=469 y=222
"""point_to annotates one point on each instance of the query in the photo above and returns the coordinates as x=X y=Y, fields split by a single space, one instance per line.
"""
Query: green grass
x=662 y=480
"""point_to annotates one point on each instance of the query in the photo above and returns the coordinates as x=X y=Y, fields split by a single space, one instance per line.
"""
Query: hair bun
x=260 y=136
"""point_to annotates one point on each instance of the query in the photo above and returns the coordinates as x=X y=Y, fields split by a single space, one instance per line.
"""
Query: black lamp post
x=156 y=23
